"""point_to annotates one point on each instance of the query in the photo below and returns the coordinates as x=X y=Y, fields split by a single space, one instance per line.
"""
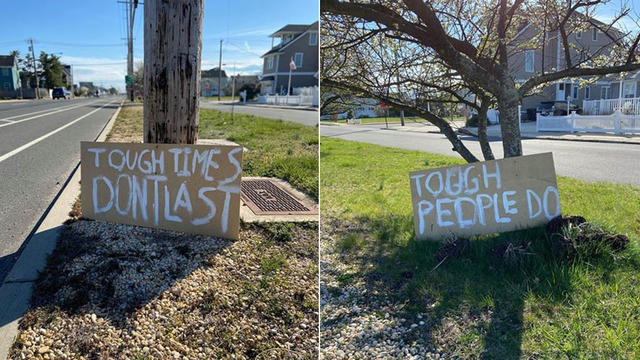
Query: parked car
x=555 y=108
x=60 y=93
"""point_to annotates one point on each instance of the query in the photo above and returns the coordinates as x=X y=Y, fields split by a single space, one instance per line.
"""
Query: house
x=359 y=107
x=67 y=76
x=292 y=42
x=9 y=77
x=209 y=81
x=585 y=42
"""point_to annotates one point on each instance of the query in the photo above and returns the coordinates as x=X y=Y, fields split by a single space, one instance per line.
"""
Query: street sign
x=187 y=188
x=484 y=197
x=128 y=80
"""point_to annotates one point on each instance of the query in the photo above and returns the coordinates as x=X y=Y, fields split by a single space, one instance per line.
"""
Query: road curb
x=17 y=287
x=306 y=108
x=552 y=138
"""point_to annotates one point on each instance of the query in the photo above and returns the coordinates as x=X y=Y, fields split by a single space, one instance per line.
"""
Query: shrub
x=472 y=121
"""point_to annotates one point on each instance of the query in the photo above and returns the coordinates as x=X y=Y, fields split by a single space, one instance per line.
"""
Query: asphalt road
x=618 y=163
x=39 y=147
x=304 y=117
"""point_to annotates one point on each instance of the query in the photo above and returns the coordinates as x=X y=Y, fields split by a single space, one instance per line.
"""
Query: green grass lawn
x=222 y=98
x=276 y=148
x=540 y=306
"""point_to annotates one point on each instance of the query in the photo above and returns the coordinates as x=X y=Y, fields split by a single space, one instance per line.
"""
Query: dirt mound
x=559 y=222
x=570 y=234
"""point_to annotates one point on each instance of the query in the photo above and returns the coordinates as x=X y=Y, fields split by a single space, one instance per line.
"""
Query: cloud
x=101 y=71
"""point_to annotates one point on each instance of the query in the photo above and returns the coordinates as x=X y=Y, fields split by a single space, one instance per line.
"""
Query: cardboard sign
x=485 y=197
x=188 y=188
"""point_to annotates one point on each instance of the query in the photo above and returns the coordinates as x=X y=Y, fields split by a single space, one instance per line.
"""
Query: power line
x=58 y=43
x=78 y=44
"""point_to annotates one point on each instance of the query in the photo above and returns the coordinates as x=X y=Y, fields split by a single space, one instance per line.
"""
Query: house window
x=605 y=92
x=629 y=89
x=5 y=71
x=528 y=60
x=578 y=35
x=587 y=92
x=270 y=62
x=298 y=60
x=313 y=39
x=561 y=86
x=594 y=35
x=574 y=92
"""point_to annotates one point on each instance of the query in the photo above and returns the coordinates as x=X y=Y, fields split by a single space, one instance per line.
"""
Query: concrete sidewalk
x=528 y=130
x=254 y=104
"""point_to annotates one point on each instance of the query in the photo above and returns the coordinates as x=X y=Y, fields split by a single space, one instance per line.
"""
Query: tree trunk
x=172 y=52
x=401 y=117
x=509 y=124
x=483 y=139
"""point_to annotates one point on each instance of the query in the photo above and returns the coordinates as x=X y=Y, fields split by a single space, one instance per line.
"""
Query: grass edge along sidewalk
x=260 y=297
x=531 y=303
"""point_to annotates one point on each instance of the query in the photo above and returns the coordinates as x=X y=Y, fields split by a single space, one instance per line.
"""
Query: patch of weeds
x=350 y=242
x=279 y=232
x=346 y=278
x=309 y=303
x=272 y=263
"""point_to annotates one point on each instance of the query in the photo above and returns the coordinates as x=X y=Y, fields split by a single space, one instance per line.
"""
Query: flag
x=292 y=65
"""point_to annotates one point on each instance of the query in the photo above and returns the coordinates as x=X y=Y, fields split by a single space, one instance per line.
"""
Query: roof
x=7 y=60
x=213 y=73
x=301 y=29
x=290 y=29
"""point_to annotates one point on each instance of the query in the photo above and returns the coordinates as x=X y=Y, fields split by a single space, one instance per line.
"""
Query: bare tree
x=412 y=52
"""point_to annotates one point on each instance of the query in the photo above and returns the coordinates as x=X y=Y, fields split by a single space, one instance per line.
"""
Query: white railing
x=617 y=123
x=629 y=106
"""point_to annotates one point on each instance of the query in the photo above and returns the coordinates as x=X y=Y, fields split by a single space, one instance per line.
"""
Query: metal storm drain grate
x=265 y=197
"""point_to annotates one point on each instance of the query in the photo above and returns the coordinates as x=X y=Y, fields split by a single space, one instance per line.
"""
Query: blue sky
x=89 y=33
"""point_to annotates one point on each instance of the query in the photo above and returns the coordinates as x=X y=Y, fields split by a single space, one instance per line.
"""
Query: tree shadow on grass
x=473 y=303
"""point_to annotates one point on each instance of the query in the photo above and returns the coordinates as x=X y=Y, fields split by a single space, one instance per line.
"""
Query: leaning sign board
x=485 y=197
x=188 y=188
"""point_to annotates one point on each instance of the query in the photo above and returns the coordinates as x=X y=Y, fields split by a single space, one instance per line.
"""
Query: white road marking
x=33 y=142
x=35 y=112
x=65 y=108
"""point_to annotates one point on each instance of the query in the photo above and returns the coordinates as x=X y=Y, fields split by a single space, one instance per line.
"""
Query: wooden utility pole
x=131 y=14
x=220 y=71
x=35 y=68
x=172 y=52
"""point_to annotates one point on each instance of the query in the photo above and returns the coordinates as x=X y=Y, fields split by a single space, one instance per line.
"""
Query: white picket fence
x=629 y=106
x=306 y=96
x=617 y=123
